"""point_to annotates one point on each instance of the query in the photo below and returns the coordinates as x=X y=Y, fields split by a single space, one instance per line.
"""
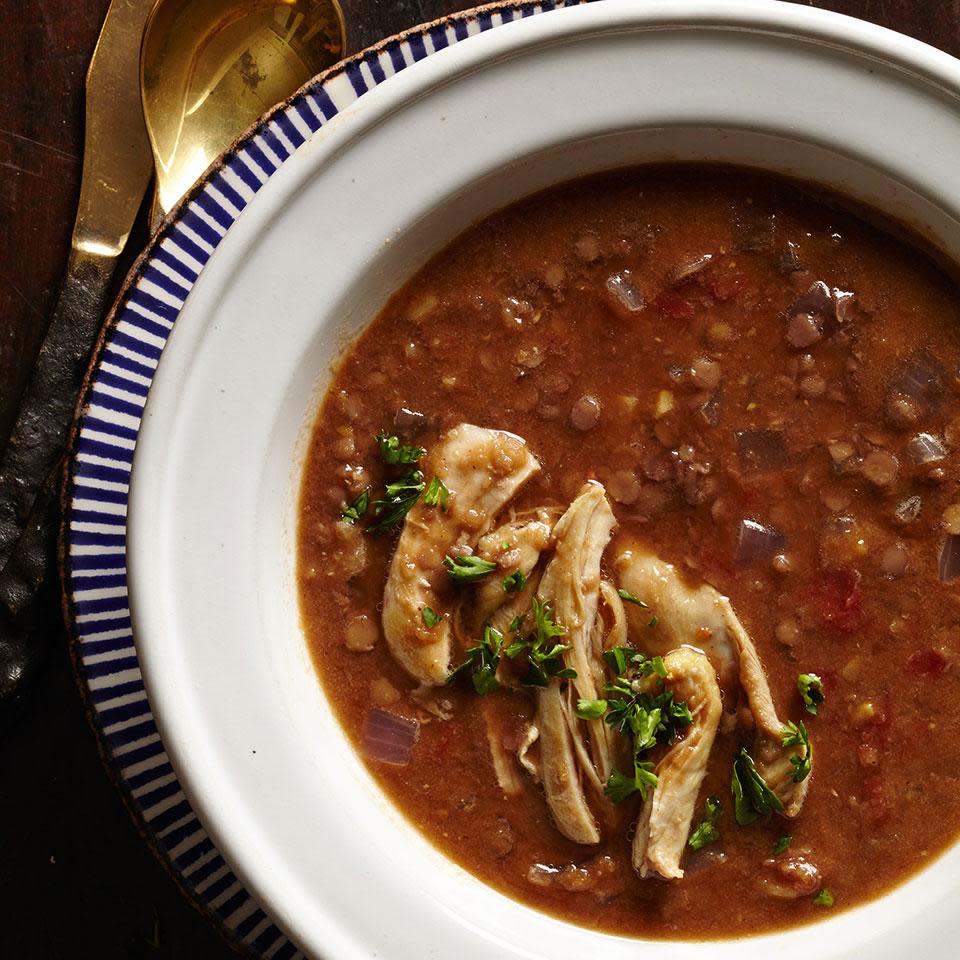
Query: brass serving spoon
x=210 y=68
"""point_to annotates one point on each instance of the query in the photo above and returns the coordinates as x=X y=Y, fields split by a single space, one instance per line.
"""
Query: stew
x=535 y=480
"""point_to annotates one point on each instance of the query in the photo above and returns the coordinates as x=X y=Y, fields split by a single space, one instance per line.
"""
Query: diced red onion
x=817 y=300
x=925 y=448
x=684 y=271
x=625 y=293
x=922 y=377
x=790 y=258
x=410 y=424
x=389 y=737
x=762 y=450
x=756 y=541
x=950 y=558
x=710 y=409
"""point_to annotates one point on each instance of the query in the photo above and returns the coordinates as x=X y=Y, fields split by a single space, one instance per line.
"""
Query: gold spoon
x=210 y=68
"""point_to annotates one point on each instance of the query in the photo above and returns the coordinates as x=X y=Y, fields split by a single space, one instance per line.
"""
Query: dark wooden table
x=76 y=879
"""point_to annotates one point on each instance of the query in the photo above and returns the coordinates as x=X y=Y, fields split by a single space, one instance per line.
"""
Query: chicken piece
x=703 y=618
x=505 y=764
x=482 y=469
x=571 y=584
x=514 y=546
x=664 y=823
x=559 y=770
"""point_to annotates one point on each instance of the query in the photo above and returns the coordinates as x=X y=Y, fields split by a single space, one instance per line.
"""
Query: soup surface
x=766 y=388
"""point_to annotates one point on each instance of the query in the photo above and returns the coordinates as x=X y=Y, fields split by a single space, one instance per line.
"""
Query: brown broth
x=449 y=344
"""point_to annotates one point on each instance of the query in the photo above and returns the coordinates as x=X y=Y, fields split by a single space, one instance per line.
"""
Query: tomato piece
x=927 y=663
x=840 y=600
x=725 y=286
x=672 y=305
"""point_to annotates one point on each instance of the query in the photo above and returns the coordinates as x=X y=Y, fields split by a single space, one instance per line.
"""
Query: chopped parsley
x=653 y=622
x=397 y=501
x=751 y=795
x=436 y=494
x=630 y=598
x=393 y=452
x=482 y=662
x=824 y=898
x=647 y=718
x=782 y=843
x=515 y=582
x=619 y=787
x=706 y=831
x=354 y=511
x=430 y=619
x=469 y=568
x=517 y=622
x=795 y=735
x=811 y=691
x=544 y=655
x=591 y=709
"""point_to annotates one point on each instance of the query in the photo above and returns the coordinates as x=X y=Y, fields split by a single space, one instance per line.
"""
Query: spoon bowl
x=210 y=68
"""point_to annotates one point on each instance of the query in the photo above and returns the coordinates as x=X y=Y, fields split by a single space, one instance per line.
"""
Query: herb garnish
x=782 y=843
x=354 y=511
x=795 y=735
x=591 y=709
x=430 y=619
x=824 y=898
x=811 y=690
x=751 y=795
x=653 y=622
x=544 y=655
x=398 y=499
x=630 y=598
x=619 y=787
x=437 y=494
x=482 y=662
x=706 y=831
x=469 y=568
x=393 y=452
x=515 y=582
x=647 y=718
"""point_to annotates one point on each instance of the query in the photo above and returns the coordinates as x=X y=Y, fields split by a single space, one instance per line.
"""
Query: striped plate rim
x=105 y=435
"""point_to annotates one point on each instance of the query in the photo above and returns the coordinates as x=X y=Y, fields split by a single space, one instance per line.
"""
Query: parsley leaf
x=795 y=735
x=824 y=898
x=436 y=494
x=811 y=690
x=398 y=499
x=515 y=582
x=631 y=598
x=591 y=709
x=619 y=786
x=469 y=568
x=544 y=655
x=393 y=452
x=706 y=831
x=354 y=511
x=751 y=795
x=482 y=662
x=430 y=619
x=782 y=843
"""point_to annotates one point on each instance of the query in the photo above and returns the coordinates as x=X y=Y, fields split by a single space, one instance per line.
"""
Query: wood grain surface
x=76 y=880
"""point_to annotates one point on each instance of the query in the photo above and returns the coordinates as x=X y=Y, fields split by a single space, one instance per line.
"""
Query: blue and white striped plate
x=105 y=438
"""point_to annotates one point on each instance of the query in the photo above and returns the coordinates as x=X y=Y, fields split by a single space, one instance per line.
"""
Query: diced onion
x=389 y=737
x=950 y=558
x=925 y=448
x=762 y=450
x=756 y=541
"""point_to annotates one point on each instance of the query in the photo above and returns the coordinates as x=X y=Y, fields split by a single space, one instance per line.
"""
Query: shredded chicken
x=504 y=763
x=482 y=469
x=664 y=822
x=703 y=618
x=571 y=584
x=514 y=546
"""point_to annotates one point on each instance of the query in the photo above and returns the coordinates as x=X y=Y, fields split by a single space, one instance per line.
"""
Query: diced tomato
x=672 y=305
x=875 y=799
x=927 y=663
x=840 y=600
x=725 y=286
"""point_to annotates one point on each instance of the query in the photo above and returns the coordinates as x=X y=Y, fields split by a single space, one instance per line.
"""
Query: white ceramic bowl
x=342 y=224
